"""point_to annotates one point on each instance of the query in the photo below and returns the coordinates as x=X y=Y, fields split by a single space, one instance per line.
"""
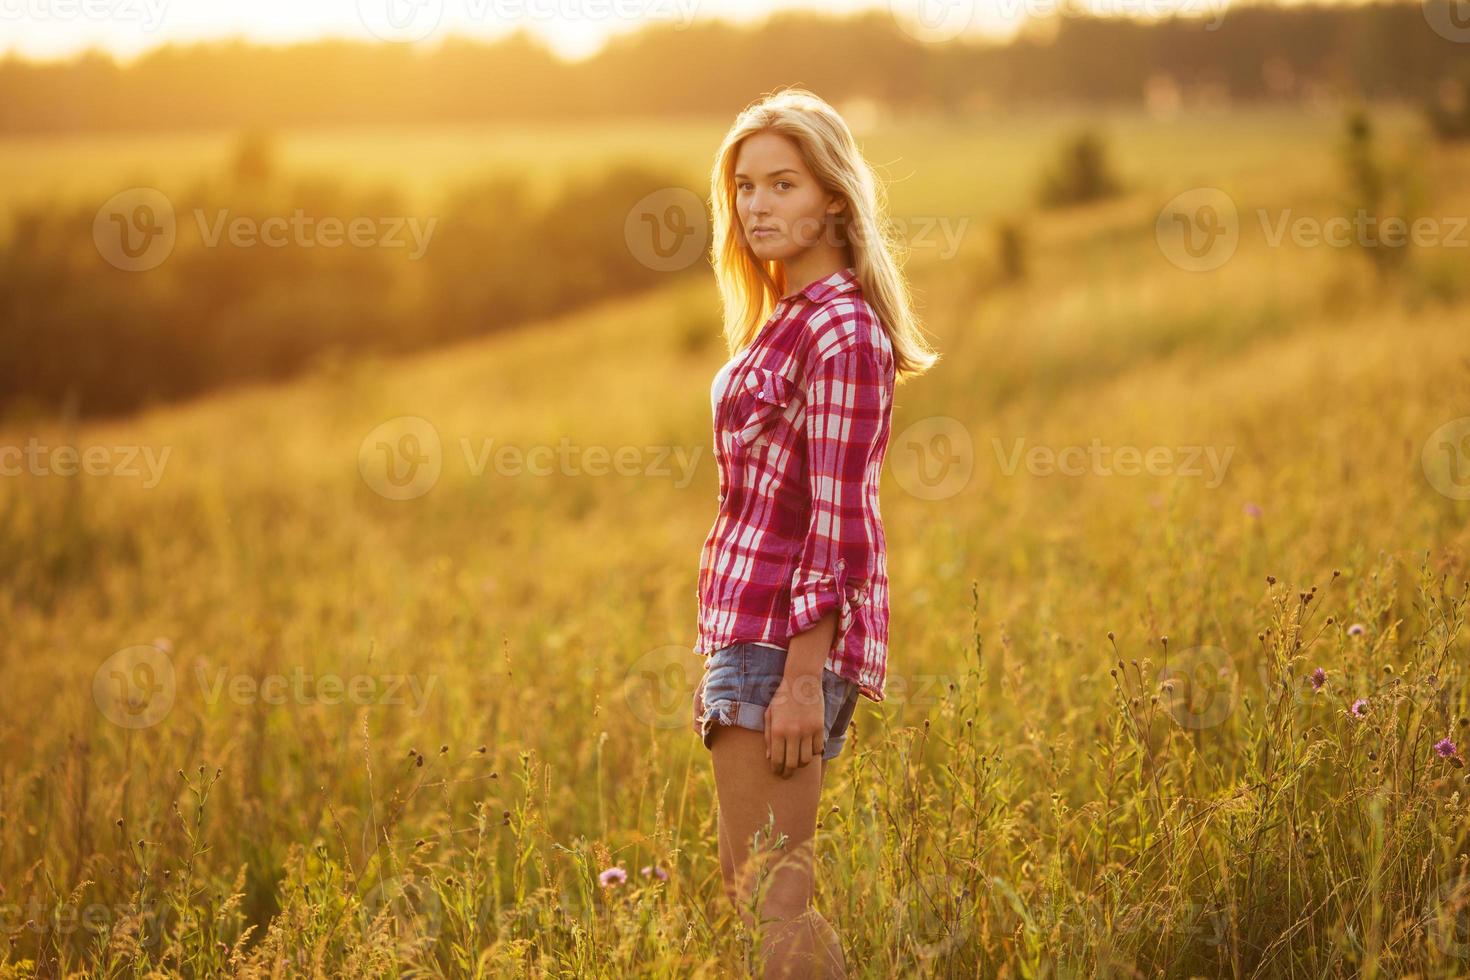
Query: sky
x=58 y=29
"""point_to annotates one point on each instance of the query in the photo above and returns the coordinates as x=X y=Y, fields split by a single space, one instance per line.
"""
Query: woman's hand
x=795 y=722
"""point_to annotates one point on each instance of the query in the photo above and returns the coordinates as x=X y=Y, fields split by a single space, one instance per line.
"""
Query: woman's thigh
x=750 y=797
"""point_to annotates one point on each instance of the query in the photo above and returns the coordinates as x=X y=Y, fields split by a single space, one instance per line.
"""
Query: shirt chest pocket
x=764 y=398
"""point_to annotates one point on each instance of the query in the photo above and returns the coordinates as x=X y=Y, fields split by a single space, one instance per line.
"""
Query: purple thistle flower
x=612 y=876
x=653 y=871
x=1252 y=509
x=1319 y=677
x=1446 y=748
x=1357 y=629
x=1359 y=708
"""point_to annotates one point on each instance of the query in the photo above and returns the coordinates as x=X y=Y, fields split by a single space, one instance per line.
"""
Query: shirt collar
x=844 y=280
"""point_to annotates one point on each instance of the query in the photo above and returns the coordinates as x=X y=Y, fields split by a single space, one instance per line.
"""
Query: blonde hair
x=750 y=288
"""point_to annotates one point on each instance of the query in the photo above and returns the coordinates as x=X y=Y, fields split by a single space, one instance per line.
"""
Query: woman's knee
x=786 y=898
x=780 y=884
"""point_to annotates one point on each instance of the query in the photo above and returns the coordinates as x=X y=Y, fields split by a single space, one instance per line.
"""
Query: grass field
x=1051 y=788
x=978 y=165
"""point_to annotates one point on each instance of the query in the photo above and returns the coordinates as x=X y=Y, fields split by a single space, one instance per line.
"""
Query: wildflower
x=1357 y=629
x=1252 y=509
x=1359 y=708
x=653 y=871
x=1446 y=747
x=1319 y=677
x=612 y=876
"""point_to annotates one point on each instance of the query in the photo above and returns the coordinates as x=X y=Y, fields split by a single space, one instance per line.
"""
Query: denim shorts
x=739 y=682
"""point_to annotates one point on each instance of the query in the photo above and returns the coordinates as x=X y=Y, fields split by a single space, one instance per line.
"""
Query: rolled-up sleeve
x=846 y=402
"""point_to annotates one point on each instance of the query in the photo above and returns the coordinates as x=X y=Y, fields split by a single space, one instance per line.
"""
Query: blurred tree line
x=80 y=334
x=1374 y=51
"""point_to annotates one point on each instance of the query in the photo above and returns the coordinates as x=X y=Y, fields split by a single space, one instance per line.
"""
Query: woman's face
x=775 y=191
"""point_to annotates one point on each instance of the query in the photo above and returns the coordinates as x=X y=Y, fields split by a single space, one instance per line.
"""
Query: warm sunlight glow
x=48 y=29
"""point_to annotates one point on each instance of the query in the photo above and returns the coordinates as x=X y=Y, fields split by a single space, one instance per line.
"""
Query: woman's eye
x=780 y=182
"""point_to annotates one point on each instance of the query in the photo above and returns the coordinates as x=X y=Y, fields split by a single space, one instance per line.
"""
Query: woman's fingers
x=787 y=754
x=793 y=756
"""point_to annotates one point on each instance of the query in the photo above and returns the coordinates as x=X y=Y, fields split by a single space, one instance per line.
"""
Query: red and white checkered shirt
x=800 y=434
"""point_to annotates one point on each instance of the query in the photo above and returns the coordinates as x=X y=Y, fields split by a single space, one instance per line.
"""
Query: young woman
x=793 y=583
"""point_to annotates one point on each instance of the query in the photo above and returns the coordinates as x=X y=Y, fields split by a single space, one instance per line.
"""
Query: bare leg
x=795 y=941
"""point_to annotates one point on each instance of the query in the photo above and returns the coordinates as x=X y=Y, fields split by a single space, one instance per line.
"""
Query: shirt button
x=720 y=497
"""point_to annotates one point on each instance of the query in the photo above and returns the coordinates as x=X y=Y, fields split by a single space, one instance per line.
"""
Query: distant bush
x=1010 y=251
x=1378 y=191
x=1449 y=109
x=1082 y=173
x=254 y=161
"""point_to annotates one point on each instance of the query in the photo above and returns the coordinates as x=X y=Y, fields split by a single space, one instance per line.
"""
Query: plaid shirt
x=800 y=436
